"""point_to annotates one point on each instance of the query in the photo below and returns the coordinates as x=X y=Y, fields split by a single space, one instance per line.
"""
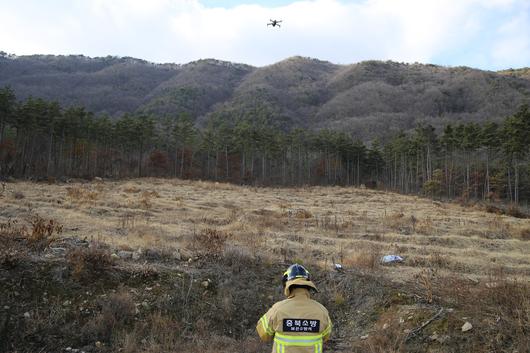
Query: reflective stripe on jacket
x=302 y=316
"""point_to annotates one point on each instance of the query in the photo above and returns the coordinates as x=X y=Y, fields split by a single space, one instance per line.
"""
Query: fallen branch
x=418 y=329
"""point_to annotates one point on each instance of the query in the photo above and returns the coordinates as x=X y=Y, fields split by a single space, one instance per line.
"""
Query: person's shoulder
x=322 y=307
x=281 y=303
x=276 y=307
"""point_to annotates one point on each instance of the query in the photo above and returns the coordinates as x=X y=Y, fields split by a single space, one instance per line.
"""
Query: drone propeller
x=274 y=23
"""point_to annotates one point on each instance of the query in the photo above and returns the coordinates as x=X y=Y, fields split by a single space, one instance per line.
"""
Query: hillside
x=523 y=72
x=159 y=265
x=370 y=99
x=103 y=85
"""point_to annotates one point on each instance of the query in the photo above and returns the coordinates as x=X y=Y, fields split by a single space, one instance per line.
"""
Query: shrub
x=43 y=232
x=163 y=331
x=303 y=214
x=211 y=241
x=116 y=311
x=432 y=188
x=516 y=212
x=494 y=209
x=10 y=258
x=525 y=234
x=159 y=161
x=89 y=262
x=119 y=307
x=425 y=280
x=144 y=199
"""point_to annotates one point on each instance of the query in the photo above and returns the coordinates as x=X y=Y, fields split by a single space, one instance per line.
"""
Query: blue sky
x=487 y=34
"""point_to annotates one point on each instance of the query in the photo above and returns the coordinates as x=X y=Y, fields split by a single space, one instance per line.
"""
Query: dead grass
x=397 y=221
x=38 y=234
x=131 y=189
x=90 y=262
x=167 y=213
x=334 y=222
x=43 y=232
x=128 y=220
x=82 y=194
x=11 y=252
x=524 y=234
x=241 y=239
x=497 y=228
x=10 y=230
x=385 y=340
x=117 y=310
x=516 y=212
x=367 y=259
x=500 y=304
x=210 y=241
x=425 y=282
x=425 y=226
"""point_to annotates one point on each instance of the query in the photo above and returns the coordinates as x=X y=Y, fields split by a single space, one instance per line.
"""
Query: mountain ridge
x=369 y=99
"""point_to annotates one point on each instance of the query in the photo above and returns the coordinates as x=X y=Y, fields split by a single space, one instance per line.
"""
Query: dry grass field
x=134 y=243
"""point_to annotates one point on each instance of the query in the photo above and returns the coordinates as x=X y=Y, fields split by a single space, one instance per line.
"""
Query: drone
x=274 y=23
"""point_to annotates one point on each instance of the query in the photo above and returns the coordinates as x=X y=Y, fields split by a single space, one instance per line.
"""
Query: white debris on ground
x=387 y=259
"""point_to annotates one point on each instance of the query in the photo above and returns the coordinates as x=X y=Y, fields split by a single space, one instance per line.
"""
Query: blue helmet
x=295 y=271
x=297 y=275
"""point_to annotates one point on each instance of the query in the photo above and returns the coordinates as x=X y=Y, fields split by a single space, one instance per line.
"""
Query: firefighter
x=297 y=324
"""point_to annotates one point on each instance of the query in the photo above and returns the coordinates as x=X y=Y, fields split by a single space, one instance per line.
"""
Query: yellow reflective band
x=300 y=341
x=318 y=348
x=327 y=330
x=265 y=323
x=303 y=338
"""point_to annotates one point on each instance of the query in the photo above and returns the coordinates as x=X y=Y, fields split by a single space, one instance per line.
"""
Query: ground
x=160 y=265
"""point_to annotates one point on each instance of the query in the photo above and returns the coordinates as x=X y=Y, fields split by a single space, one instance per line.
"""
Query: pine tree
x=7 y=109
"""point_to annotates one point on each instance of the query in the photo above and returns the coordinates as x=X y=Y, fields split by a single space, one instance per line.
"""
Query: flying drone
x=274 y=23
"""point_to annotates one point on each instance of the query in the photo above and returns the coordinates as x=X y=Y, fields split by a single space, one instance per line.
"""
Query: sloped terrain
x=370 y=99
x=196 y=88
x=154 y=265
x=102 y=85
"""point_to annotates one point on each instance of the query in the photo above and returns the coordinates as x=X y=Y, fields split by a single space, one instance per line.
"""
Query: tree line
x=40 y=139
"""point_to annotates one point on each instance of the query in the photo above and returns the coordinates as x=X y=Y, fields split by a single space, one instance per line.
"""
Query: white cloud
x=339 y=31
x=513 y=41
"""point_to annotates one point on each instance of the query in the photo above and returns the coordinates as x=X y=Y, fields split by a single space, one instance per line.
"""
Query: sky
x=485 y=34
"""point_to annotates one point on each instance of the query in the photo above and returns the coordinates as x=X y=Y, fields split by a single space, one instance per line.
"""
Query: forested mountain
x=369 y=99
x=103 y=85
x=195 y=88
